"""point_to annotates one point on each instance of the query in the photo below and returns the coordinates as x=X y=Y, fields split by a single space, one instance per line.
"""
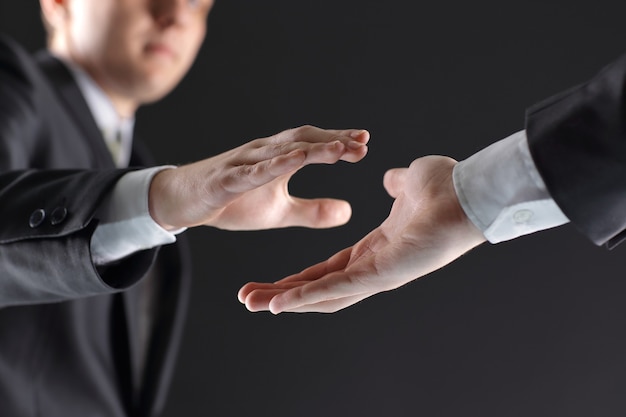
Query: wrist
x=159 y=199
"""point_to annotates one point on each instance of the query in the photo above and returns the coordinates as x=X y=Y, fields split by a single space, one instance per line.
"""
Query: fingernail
x=357 y=133
x=353 y=144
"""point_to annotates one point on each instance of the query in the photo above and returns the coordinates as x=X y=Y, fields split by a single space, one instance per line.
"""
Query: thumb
x=394 y=180
x=317 y=213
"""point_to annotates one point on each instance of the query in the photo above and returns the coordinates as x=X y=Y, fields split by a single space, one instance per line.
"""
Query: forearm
x=47 y=258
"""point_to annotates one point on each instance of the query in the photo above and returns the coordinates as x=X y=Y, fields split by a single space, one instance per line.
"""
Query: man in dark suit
x=94 y=274
x=567 y=165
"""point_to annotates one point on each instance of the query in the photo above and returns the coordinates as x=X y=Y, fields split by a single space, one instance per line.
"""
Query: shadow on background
x=533 y=326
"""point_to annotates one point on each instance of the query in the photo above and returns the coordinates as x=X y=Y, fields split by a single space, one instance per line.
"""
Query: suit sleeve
x=47 y=212
x=577 y=140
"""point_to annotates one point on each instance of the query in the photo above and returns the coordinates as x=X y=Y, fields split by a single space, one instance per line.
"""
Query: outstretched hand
x=246 y=188
x=426 y=229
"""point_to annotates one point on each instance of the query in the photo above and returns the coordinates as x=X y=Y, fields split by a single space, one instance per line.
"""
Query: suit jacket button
x=36 y=218
x=58 y=215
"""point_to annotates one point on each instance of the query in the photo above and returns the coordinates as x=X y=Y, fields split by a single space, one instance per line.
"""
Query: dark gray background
x=534 y=326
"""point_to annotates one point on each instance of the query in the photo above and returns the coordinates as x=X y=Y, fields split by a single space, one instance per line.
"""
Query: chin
x=150 y=89
x=148 y=96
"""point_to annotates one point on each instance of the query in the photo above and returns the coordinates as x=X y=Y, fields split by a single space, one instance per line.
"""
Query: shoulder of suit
x=16 y=63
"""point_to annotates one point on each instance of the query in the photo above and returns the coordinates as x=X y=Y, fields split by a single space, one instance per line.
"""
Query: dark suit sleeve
x=48 y=259
x=578 y=142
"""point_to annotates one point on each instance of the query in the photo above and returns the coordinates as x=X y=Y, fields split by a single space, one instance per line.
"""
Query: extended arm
x=245 y=188
x=50 y=213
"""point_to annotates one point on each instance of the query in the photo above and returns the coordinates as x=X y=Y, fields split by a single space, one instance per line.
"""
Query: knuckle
x=256 y=143
x=336 y=138
x=303 y=131
x=274 y=150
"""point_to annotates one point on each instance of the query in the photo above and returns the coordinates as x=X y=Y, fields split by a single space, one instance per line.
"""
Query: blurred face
x=137 y=50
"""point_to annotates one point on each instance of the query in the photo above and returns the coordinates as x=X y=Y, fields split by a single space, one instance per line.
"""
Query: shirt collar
x=108 y=120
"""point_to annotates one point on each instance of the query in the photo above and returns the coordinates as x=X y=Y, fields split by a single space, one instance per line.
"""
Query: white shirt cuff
x=125 y=224
x=502 y=192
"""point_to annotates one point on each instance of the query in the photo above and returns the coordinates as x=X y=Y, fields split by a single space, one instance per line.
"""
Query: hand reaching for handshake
x=246 y=188
x=425 y=230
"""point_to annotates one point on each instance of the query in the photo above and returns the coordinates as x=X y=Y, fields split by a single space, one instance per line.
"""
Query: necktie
x=115 y=146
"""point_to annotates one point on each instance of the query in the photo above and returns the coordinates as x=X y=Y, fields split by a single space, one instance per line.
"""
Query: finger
x=394 y=181
x=360 y=135
x=261 y=302
x=331 y=306
x=331 y=287
x=317 y=213
x=251 y=287
x=310 y=133
x=334 y=263
x=259 y=298
x=355 y=151
x=330 y=152
x=337 y=262
x=324 y=152
x=354 y=140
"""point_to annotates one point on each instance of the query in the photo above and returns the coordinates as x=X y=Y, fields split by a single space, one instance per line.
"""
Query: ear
x=54 y=12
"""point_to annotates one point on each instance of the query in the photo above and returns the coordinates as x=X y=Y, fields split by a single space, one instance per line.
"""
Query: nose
x=170 y=12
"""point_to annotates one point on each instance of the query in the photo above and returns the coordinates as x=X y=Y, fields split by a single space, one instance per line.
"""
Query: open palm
x=425 y=230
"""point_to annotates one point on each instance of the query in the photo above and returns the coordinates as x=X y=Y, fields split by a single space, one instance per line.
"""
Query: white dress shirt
x=502 y=192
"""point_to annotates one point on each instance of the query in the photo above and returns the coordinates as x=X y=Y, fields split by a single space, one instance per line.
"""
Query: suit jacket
x=578 y=142
x=69 y=330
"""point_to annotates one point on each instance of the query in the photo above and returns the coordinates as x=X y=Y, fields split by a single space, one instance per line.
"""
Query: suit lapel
x=69 y=93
